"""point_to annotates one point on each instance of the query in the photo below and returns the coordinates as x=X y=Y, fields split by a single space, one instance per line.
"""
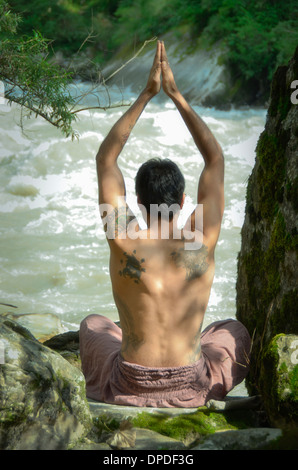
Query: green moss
x=11 y=417
x=263 y=270
x=292 y=192
x=271 y=174
x=200 y=423
x=279 y=384
x=293 y=382
x=287 y=387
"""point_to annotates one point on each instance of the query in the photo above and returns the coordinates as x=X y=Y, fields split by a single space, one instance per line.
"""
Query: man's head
x=159 y=182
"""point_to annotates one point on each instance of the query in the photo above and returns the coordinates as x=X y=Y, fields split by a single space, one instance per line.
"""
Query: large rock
x=42 y=396
x=279 y=380
x=267 y=264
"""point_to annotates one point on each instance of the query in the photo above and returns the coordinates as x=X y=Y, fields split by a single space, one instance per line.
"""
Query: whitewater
x=53 y=252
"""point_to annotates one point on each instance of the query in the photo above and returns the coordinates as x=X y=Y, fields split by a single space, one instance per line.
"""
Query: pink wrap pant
x=225 y=349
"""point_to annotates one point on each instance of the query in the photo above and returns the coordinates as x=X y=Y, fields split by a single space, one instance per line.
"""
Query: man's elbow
x=219 y=153
x=215 y=155
x=217 y=158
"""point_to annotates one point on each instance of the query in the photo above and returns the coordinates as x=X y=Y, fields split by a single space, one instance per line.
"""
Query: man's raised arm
x=211 y=182
x=110 y=179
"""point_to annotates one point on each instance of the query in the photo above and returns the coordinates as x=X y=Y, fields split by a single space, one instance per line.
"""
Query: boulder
x=267 y=275
x=43 y=403
x=279 y=381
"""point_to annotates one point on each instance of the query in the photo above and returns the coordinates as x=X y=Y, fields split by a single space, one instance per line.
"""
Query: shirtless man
x=161 y=285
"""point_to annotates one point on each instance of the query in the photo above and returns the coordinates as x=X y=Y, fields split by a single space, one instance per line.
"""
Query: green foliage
x=194 y=425
x=258 y=35
x=62 y=22
x=139 y=20
x=8 y=20
x=30 y=79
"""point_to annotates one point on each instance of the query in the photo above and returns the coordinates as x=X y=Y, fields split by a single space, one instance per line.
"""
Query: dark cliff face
x=267 y=301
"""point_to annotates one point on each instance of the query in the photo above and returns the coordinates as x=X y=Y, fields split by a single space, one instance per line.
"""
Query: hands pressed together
x=161 y=69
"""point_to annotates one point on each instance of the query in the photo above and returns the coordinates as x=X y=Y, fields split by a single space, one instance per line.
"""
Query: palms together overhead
x=161 y=69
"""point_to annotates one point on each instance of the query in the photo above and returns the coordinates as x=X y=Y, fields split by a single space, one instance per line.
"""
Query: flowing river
x=54 y=256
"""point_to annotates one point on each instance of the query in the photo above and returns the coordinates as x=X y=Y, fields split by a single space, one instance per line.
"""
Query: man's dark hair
x=159 y=182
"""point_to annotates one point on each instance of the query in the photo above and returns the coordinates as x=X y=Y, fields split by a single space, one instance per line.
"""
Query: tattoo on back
x=194 y=261
x=133 y=267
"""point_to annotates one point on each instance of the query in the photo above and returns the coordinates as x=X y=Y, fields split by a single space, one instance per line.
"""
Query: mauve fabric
x=225 y=348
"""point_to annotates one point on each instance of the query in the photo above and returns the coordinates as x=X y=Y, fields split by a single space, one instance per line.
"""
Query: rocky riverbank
x=44 y=406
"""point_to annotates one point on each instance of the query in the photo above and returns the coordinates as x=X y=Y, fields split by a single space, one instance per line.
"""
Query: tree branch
x=42 y=88
x=132 y=58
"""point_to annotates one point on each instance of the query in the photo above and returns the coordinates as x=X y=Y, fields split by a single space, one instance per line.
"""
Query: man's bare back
x=161 y=291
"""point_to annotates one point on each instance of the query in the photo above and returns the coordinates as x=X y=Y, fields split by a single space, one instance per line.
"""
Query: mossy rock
x=266 y=287
x=279 y=381
x=43 y=403
x=193 y=426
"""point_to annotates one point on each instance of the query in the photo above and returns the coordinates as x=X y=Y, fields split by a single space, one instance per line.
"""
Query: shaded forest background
x=258 y=35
